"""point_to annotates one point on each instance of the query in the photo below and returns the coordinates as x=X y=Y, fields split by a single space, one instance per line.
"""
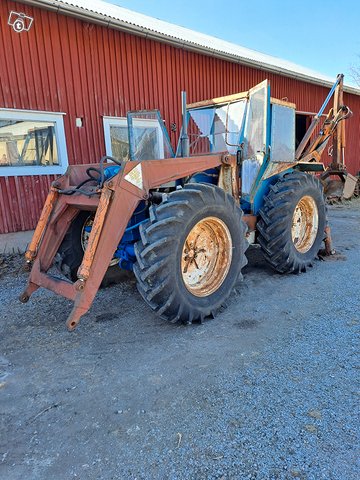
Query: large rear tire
x=191 y=253
x=292 y=224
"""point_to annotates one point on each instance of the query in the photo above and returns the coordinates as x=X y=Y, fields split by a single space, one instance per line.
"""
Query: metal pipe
x=185 y=144
x=338 y=80
x=308 y=114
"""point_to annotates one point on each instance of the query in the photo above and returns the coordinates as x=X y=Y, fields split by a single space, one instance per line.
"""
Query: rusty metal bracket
x=97 y=227
x=329 y=250
x=229 y=177
x=47 y=210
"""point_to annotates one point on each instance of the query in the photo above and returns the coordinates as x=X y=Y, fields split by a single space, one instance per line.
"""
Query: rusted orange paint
x=42 y=223
x=97 y=227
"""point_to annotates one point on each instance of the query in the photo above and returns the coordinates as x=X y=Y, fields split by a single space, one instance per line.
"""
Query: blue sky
x=323 y=35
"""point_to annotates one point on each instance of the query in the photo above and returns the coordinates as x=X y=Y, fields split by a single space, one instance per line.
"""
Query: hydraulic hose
x=100 y=180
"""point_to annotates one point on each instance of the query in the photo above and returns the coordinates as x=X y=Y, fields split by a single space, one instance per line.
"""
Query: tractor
x=182 y=221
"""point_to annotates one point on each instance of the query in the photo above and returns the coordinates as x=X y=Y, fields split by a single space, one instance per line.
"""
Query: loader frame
x=114 y=205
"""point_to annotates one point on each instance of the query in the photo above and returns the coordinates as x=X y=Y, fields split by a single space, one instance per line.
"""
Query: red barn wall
x=84 y=70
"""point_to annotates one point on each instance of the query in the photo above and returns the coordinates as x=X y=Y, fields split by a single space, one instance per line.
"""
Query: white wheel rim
x=206 y=256
x=305 y=224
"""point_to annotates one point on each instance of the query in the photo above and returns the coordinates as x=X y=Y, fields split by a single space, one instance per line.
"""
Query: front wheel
x=72 y=248
x=292 y=223
x=191 y=253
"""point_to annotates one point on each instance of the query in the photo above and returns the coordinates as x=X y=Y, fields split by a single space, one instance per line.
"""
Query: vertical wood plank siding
x=84 y=70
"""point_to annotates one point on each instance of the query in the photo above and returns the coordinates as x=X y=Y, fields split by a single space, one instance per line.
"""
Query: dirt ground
x=267 y=390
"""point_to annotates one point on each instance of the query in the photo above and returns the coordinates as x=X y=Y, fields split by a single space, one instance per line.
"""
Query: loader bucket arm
x=333 y=126
x=114 y=204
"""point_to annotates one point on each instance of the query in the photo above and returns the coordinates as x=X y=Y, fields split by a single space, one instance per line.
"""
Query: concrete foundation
x=15 y=242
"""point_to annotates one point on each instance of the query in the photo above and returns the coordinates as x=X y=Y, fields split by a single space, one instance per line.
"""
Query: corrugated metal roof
x=118 y=17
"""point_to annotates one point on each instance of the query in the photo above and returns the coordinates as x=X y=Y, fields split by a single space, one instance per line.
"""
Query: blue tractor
x=182 y=221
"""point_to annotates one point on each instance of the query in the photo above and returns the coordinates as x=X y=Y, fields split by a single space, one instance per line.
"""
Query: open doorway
x=302 y=123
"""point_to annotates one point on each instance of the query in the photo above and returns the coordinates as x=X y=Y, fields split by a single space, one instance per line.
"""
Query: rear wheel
x=191 y=253
x=292 y=224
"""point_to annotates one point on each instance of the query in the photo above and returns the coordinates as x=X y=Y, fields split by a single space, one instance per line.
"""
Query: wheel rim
x=85 y=237
x=305 y=224
x=206 y=256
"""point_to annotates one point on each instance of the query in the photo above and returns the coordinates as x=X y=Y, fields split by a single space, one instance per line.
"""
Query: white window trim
x=122 y=122
x=58 y=119
x=108 y=122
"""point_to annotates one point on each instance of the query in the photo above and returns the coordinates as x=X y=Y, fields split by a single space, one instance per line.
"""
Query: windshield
x=148 y=137
x=217 y=128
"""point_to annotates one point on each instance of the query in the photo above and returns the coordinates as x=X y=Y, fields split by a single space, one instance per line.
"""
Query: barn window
x=116 y=137
x=32 y=143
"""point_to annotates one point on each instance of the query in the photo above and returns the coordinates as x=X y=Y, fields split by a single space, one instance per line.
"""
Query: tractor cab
x=259 y=129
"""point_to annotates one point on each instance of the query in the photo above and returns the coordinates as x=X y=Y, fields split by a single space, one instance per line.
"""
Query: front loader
x=182 y=223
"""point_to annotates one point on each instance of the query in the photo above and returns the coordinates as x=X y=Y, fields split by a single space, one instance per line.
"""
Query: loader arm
x=328 y=130
x=114 y=204
x=333 y=127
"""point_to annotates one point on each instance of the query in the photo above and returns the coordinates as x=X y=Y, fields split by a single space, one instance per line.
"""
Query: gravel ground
x=267 y=390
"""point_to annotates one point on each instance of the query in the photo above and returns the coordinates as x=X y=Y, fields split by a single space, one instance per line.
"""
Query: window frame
x=28 y=115
x=109 y=121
